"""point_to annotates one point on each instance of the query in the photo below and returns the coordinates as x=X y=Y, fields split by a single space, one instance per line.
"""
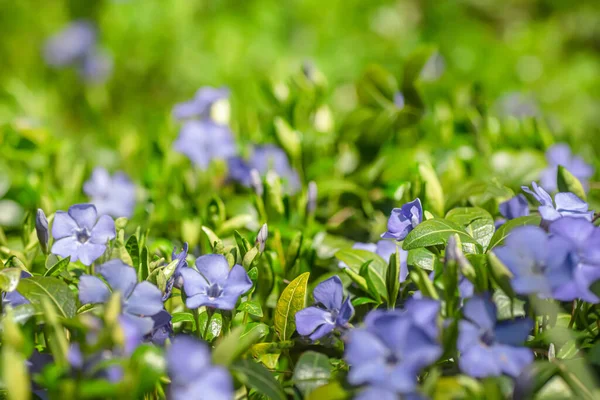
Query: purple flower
x=176 y=279
x=265 y=158
x=584 y=239
x=80 y=234
x=114 y=196
x=162 y=330
x=139 y=301
x=214 y=284
x=192 y=374
x=517 y=105
x=331 y=311
x=567 y=204
x=539 y=263
x=204 y=141
x=70 y=45
x=403 y=220
x=560 y=154
x=489 y=347
x=515 y=207
x=41 y=229
x=200 y=105
x=377 y=393
x=389 y=352
x=76 y=46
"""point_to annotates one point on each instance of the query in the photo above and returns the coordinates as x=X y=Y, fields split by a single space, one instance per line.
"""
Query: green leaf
x=567 y=182
x=436 y=232
x=215 y=325
x=376 y=279
x=312 y=370
x=421 y=279
x=359 y=301
x=255 y=330
x=16 y=378
x=376 y=87
x=252 y=307
x=183 y=317
x=359 y=280
x=292 y=300
x=355 y=259
x=393 y=278
x=331 y=391
x=477 y=222
x=133 y=249
x=58 y=267
x=503 y=232
x=421 y=258
x=37 y=288
x=258 y=378
x=147 y=366
x=502 y=275
x=9 y=279
x=242 y=243
x=434 y=194
x=288 y=138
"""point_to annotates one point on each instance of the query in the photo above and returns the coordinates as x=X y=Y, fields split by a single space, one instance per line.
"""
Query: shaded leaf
x=292 y=300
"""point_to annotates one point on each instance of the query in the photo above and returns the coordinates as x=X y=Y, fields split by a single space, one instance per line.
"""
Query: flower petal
x=120 y=276
x=84 y=214
x=329 y=293
x=193 y=282
x=309 y=319
x=65 y=247
x=92 y=290
x=346 y=313
x=479 y=362
x=513 y=333
x=63 y=225
x=214 y=267
x=512 y=360
x=89 y=252
x=481 y=311
x=187 y=359
x=103 y=231
x=145 y=300
x=238 y=282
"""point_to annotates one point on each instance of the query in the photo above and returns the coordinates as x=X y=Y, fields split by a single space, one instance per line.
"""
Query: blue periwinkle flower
x=199 y=107
x=390 y=351
x=560 y=154
x=263 y=159
x=193 y=376
x=403 y=220
x=114 y=196
x=489 y=347
x=76 y=46
x=584 y=239
x=204 y=141
x=515 y=207
x=162 y=330
x=214 y=284
x=564 y=205
x=331 y=310
x=140 y=301
x=399 y=100
x=540 y=264
x=80 y=234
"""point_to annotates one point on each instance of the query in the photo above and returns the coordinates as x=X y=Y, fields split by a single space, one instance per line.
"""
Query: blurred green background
x=54 y=127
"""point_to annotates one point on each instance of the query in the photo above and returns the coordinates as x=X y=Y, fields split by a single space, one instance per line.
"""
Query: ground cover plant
x=299 y=200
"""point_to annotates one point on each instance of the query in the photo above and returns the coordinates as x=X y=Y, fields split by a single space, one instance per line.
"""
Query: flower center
x=214 y=291
x=488 y=338
x=392 y=360
x=82 y=235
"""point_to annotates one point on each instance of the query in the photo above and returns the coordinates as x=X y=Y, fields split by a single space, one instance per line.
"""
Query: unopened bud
x=41 y=229
x=256 y=182
x=261 y=238
x=311 y=197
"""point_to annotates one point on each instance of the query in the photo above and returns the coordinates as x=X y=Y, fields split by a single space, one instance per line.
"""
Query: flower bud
x=41 y=229
x=261 y=238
